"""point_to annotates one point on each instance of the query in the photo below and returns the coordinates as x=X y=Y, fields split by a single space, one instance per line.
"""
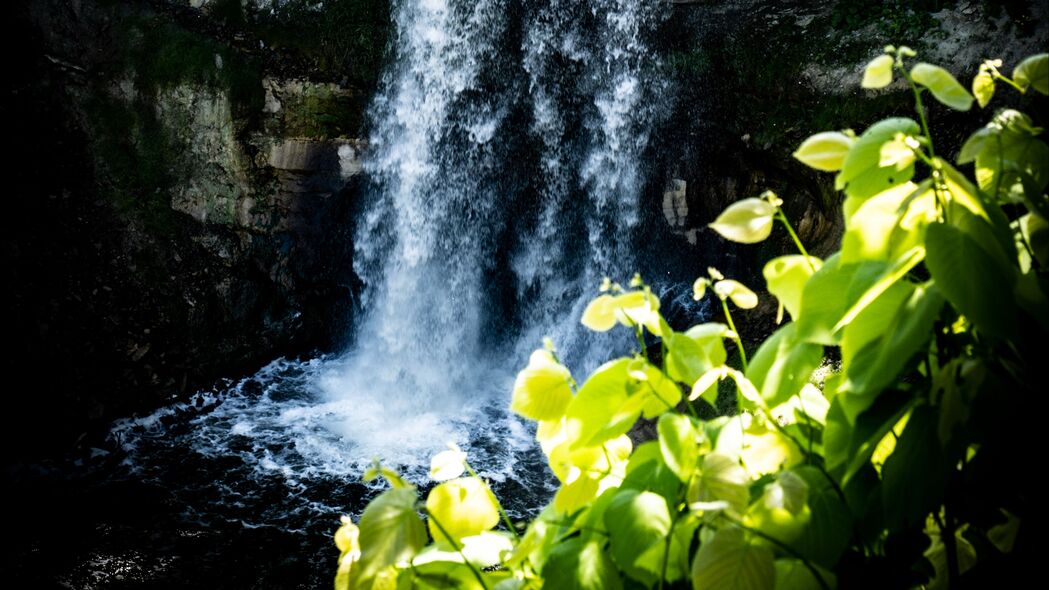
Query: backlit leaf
x=786 y=277
x=983 y=88
x=943 y=86
x=878 y=73
x=825 y=151
x=677 y=442
x=463 y=507
x=541 y=390
x=748 y=221
x=737 y=292
x=783 y=365
x=861 y=175
x=447 y=465
x=580 y=564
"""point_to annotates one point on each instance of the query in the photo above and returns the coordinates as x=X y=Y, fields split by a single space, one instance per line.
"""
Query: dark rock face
x=178 y=215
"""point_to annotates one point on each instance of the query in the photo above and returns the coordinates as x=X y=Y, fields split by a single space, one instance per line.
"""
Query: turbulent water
x=504 y=179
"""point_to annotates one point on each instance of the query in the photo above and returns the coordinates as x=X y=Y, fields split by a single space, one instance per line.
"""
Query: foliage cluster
x=905 y=468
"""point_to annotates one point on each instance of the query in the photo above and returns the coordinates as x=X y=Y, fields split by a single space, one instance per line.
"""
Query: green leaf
x=963 y=268
x=677 y=566
x=783 y=365
x=825 y=151
x=541 y=390
x=721 y=478
x=915 y=474
x=786 y=277
x=887 y=224
x=695 y=352
x=830 y=293
x=898 y=328
x=636 y=521
x=983 y=88
x=782 y=510
x=748 y=221
x=677 y=443
x=728 y=562
x=1033 y=72
x=878 y=73
x=862 y=175
x=829 y=529
x=849 y=445
x=596 y=402
x=462 y=507
x=390 y=532
x=943 y=86
x=580 y=564
x=1006 y=150
x=600 y=314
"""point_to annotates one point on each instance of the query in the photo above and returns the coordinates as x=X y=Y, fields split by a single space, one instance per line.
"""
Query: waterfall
x=505 y=172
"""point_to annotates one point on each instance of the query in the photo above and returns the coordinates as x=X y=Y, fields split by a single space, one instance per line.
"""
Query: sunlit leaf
x=748 y=221
x=889 y=223
x=786 y=277
x=896 y=154
x=447 y=465
x=461 y=507
x=347 y=539
x=878 y=73
x=825 y=151
x=1033 y=72
x=729 y=562
x=861 y=175
x=596 y=402
x=766 y=450
x=737 y=292
x=943 y=86
x=782 y=510
x=600 y=314
x=983 y=88
x=541 y=390
x=677 y=442
x=722 y=478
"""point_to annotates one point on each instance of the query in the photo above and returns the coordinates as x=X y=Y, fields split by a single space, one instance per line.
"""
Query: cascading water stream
x=505 y=173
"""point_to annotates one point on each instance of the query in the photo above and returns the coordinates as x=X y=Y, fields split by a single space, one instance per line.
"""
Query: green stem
x=498 y=505
x=950 y=545
x=458 y=549
x=794 y=236
x=998 y=76
x=786 y=548
x=738 y=338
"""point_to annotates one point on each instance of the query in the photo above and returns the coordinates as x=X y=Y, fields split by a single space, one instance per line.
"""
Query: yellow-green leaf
x=862 y=175
x=600 y=314
x=983 y=88
x=447 y=465
x=943 y=86
x=541 y=390
x=1033 y=72
x=786 y=277
x=878 y=73
x=748 y=221
x=462 y=507
x=737 y=292
x=825 y=151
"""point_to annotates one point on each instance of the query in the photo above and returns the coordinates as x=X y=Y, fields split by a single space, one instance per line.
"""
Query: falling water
x=504 y=178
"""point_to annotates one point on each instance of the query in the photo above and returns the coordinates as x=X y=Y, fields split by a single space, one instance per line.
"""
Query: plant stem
x=459 y=550
x=738 y=338
x=794 y=236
